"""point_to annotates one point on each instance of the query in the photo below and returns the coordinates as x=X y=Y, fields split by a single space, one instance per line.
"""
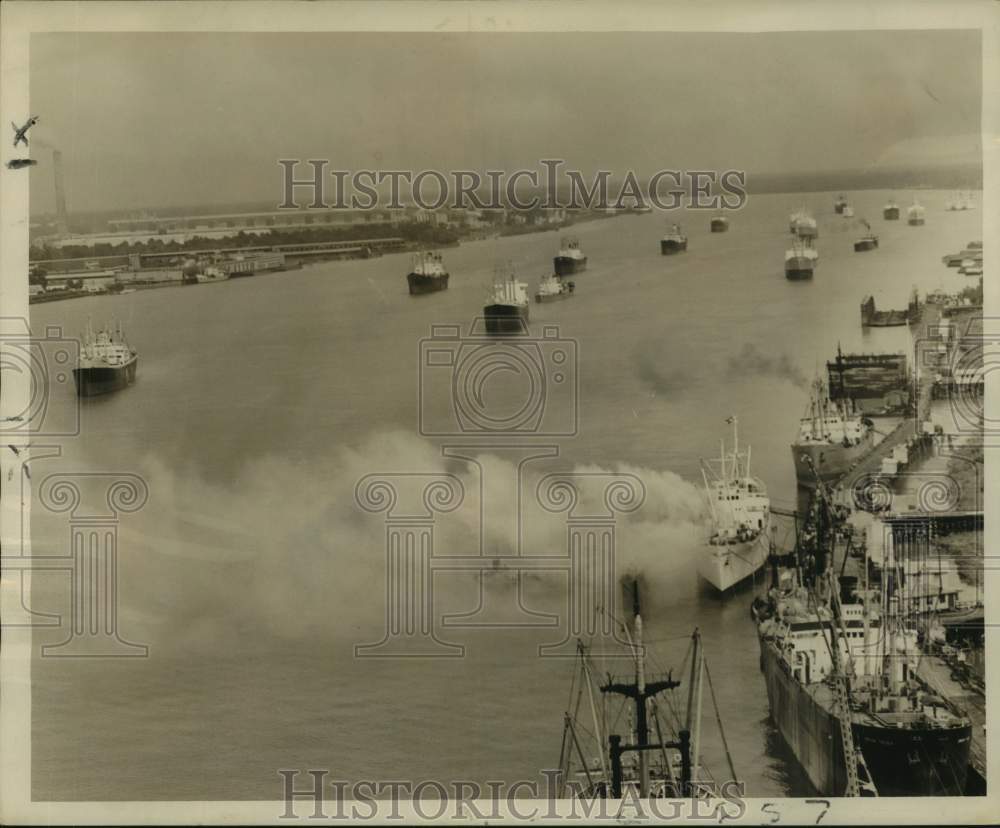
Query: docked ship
x=427 y=274
x=804 y=226
x=551 y=288
x=800 y=260
x=506 y=310
x=839 y=204
x=832 y=437
x=869 y=241
x=660 y=753
x=740 y=517
x=840 y=665
x=890 y=212
x=107 y=363
x=915 y=214
x=570 y=259
x=674 y=241
x=719 y=224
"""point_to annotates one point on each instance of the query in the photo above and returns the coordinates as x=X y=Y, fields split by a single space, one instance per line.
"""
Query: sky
x=148 y=119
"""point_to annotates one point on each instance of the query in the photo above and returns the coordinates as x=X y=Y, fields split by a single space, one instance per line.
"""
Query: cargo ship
x=869 y=241
x=673 y=242
x=552 y=288
x=800 y=261
x=427 y=274
x=719 y=224
x=915 y=215
x=840 y=667
x=890 y=212
x=570 y=259
x=740 y=517
x=839 y=204
x=832 y=438
x=107 y=363
x=660 y=753
x=506 y=310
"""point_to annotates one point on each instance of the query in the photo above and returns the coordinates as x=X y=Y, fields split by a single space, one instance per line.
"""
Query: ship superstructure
x=832 y=436
x=107 y=362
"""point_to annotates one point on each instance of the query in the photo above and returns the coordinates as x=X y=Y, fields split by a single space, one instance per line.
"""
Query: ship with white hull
x=915 y=215
x=552 y=289
x=570 y=258
x=740 y=518
x=832 y=438
x=107 y=363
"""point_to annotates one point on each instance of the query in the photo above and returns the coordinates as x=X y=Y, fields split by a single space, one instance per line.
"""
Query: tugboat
x=428 y=274
x=740 y=518
x=551 y=288
x=915 y=214
x=869 y=241
x=720 y=224
x=660 y=755
x=832 y=436
x=570 y=259
x=673 y=242
x=506 y=311
x=107 y=362
x=804 y=226
x=840 y=665
x=800 y=261
x=890 y=212
x=839 y=204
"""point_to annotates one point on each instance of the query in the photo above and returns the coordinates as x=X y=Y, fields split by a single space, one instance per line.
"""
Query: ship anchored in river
x=840 y=668
x=427 y=275
x=107 y=363
x=740 y=512
x=552 y=288
x=674 y=241
x=801 y=259
x=890 y=212
x=506 y=309
x=570 y=258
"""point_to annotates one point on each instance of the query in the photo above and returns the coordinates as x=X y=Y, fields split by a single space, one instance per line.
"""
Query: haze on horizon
x=162 y=119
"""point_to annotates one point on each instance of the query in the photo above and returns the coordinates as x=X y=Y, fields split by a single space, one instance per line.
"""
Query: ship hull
x=806 y=232
x=913 y=222
x=831 y=461
x=726 y=566
x=670 y=246
x=799 y=269
x=506 y=319
x=865 y=244
x=890 y=214
x=917 y=761
x=420 y=284
x=718 y=226
x=90 y=382
x=567 y=265
x=553 y=297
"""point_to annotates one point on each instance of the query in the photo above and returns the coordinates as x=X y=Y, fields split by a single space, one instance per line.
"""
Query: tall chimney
x=57 y=172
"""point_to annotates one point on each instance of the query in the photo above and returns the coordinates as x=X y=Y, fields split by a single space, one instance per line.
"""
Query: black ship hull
x=719 y=226
x=506 y=319
x=567 y=265
x=865 y=244
x=891 y=214
x=839 y=209
x=910 y=761
x=91 y=382
x=796 y=274
x=671 y=246
x=420 y=284
x=915 y=222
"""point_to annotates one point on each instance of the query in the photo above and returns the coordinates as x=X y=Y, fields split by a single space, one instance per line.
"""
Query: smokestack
x=57 y=172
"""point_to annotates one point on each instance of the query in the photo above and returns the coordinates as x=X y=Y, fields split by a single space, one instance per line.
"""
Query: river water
x=251 y=573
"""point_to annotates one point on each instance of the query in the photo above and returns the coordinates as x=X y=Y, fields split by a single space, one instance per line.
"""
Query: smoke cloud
x=752 y=361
